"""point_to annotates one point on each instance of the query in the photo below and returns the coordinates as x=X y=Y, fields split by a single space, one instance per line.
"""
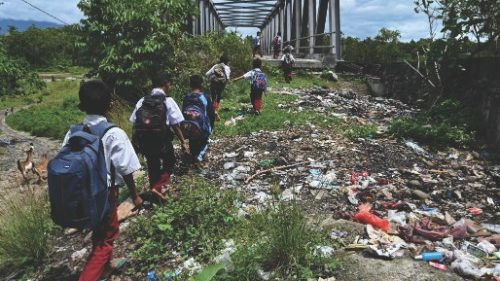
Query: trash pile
x=346 y=104
x=442 y=207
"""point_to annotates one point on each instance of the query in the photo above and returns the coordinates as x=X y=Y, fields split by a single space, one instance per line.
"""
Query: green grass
x=54 y=93
x=25 y=228
x=57 y=109
x=356 y=131
x=47 y=120
x=237 y=102
x=193 y=225
x=280 y=241
x=303 y=79
x=448 y=123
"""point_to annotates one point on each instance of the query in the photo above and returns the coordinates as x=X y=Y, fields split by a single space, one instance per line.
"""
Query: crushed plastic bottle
x=430 y=256
x=152 y=276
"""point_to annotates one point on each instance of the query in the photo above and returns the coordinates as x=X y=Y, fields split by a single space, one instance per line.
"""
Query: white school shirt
x=248 y=76
x=227 y=69
x=292 y=59
x=174 y=114
x=117 y=148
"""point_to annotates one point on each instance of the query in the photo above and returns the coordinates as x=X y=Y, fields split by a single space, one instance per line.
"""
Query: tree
x=130 y=40
x=42 y=47
x=15 y=77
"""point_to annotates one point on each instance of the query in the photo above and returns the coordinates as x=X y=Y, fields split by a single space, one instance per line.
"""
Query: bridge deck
x=299 y=62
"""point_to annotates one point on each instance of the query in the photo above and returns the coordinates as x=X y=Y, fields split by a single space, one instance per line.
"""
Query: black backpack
x=150 y=131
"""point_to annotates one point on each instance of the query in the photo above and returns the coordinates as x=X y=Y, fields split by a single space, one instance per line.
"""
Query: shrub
x=279 y=240
x=25 y=227
x=448 y=123
x=193 y=225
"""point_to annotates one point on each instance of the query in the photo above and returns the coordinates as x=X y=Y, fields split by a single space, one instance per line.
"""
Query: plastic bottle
x=432 y=256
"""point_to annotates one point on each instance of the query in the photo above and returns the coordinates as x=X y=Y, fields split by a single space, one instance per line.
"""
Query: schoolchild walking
x=258 y=84
x=287 y=63
x=277 y=45
x=218 y=75
x=199 y=120
x=154 y=118
x=96 y=159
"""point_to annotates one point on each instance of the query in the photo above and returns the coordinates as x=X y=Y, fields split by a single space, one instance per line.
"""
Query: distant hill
x=22 y=25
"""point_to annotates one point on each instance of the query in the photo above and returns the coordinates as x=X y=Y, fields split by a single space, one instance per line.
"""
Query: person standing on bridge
x=218 y=75
x=257 y=49
x=258 y=84
x=277 y=45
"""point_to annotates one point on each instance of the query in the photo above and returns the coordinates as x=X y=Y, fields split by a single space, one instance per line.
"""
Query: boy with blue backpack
x=258 y=84
x=95 y=160
x=199 y=118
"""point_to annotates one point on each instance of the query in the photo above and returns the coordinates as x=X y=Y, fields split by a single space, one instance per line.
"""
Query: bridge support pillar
x=298 y=24
x=310 y=25
x=336 y=38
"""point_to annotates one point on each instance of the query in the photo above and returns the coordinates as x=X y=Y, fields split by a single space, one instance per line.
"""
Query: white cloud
x=363 y=18
x=66 y=10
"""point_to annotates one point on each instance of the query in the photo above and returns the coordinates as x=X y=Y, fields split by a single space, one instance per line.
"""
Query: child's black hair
x=279 y=33
x=95 y=97
x=256 y=63
x=258 y=33
x=195 y=82
x=224 y=59
x=160 y=79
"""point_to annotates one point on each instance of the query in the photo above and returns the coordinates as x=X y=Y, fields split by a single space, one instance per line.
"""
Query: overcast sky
x=360 y=18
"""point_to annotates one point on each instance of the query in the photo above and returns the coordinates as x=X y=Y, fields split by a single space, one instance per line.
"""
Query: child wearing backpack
x=277 y=45
x=219 y=75
x=258 y=84
x=287 y=62
x=199 y=119
x=153 y=117
x=96 y=158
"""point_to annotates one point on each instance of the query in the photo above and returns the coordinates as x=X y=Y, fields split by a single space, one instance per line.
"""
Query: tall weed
x=25 y=228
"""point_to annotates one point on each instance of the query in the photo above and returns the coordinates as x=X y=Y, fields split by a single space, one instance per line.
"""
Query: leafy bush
x=280 y=241
x=448 y=123
x=193 y=225
x=25 y=228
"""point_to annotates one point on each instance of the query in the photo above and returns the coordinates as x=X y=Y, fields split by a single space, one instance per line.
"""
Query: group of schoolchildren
x=287 y=60
x=97 y=157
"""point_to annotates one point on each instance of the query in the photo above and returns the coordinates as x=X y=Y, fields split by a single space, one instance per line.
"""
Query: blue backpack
x=78 y=179
x=196 y=123
x=259 y=81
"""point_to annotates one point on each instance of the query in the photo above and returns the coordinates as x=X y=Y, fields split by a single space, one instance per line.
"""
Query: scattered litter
x=323 y=251
x=78 y=255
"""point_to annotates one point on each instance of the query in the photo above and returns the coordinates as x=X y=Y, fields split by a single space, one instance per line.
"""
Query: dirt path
x=12 y=146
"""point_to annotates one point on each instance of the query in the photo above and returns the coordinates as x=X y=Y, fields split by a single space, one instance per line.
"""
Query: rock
x=70 y=231
x=414 y=184
x=420 y=194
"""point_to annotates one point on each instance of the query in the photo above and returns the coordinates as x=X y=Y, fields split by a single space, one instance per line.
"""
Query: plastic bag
x=366 y=217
